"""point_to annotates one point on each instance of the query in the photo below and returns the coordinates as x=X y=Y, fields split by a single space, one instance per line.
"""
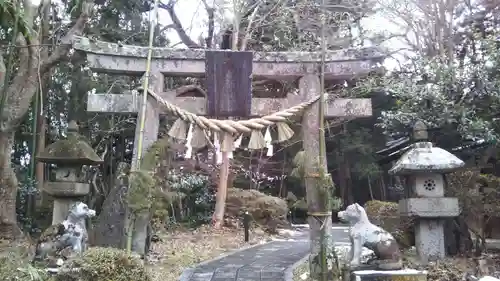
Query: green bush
x=15 y=266
x=386 y=215
x=103 y=264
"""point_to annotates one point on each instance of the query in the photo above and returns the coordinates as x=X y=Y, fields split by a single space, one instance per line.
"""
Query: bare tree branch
x=62 y=51
x=211 y=24
x=248 y=31
x=169 y=7
x=25 y=83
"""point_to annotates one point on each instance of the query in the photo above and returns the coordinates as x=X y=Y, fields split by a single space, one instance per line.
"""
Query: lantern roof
x=74 y=150
x=423 y=157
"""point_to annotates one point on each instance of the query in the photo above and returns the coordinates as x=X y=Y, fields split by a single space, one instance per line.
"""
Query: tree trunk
x=348 y=182
x=45 y=86
x=3 y=70
x=18 y=97
x=220 y=199
x=370 y=188
x=9 y=228
x=383 y=196
x=343 y=182
x=40 y=166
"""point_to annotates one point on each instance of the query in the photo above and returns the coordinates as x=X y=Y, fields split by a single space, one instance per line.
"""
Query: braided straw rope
x=231 y=126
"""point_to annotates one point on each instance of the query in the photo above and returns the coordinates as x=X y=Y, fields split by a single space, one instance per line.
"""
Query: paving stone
x=231 y=275
x=266 y=262
x=198 y=278
x=202 y=276
x=272 y=274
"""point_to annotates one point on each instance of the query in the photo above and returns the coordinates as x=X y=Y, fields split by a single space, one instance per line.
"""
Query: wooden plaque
x=229 y=83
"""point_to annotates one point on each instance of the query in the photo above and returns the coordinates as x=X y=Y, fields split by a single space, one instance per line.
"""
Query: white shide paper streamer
x=189 y=138
x=268 y=140
x=218 y=154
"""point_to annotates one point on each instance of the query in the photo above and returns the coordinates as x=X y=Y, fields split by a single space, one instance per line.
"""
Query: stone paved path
x=266 y=262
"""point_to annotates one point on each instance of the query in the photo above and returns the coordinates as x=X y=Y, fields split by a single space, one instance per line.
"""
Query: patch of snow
x=489 y=278
x=342 y=250
x=52 y=270
x=290 y=232
x=395 y=272
x=345 y=228
x=300 y=225
x=291 y=239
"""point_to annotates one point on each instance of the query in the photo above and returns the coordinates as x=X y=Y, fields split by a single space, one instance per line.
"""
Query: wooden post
x=229 y=94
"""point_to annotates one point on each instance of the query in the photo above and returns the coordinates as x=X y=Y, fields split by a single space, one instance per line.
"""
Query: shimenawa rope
x=231 y=126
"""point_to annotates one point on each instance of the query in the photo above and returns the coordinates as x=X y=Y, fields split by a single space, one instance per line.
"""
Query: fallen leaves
x=455 y=268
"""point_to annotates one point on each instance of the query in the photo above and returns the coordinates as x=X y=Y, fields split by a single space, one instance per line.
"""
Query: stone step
x=389 y=275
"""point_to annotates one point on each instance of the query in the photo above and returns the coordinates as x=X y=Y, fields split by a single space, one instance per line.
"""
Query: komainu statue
x=62 y=241
x=363 y=233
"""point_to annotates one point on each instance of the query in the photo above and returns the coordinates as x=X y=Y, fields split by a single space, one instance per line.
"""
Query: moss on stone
x=104 y=264
x=72 y=150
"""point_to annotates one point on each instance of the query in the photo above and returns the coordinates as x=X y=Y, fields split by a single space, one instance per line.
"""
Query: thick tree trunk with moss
x=320 y=222
x=9 y=228
x=16 y=102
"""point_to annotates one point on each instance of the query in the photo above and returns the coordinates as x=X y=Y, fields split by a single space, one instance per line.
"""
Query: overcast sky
x=194 y=18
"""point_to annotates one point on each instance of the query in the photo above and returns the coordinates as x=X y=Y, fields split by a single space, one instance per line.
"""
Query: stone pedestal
x=429 y=228
x=429 y=239
x=61 y=208
x=389 y=275
x=65 y=194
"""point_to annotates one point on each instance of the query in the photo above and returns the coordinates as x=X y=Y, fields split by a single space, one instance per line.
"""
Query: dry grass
x=300 y=270
x=181 y=249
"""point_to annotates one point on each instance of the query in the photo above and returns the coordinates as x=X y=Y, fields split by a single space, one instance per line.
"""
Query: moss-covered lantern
x=69 y=155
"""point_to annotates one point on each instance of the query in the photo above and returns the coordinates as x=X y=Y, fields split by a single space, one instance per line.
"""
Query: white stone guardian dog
x=71 y=235
x=363 y=233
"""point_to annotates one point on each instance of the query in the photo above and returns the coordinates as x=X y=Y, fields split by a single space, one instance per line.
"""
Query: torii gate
x=125 y=59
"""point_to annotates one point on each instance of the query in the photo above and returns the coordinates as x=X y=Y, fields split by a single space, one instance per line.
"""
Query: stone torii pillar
x=151 y=129
x=114 y=235
x=309 y=87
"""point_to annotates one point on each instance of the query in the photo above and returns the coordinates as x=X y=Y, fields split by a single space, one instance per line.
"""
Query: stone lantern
x=424 y=166
x=69 y=156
